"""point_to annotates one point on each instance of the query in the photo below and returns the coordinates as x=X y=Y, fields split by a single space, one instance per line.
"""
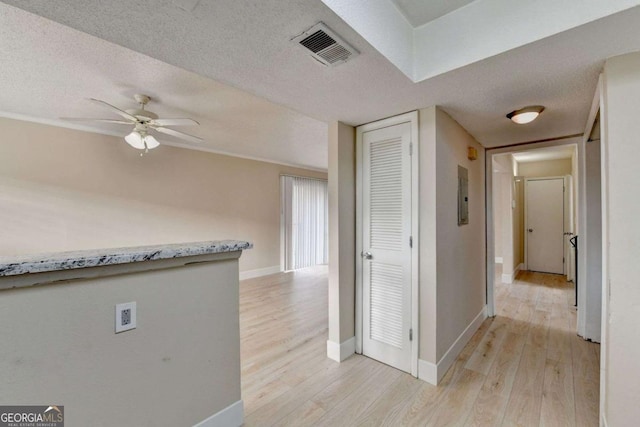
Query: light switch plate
x=125 y=316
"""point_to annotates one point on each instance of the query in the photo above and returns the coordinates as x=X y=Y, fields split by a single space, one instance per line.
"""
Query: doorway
x=542 y=173
x=386 y=236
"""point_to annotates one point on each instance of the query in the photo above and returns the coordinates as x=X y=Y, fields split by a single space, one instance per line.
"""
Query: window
x=304 y=222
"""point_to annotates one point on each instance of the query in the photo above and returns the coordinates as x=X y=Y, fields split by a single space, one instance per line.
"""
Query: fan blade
x=177 y=134
x=80 y=119
x=115 y=109
x=174 y=122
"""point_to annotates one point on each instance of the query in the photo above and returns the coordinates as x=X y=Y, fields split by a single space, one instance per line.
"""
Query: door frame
x=570 y=227
x=580 y=206
x=412 y=118
x=564 y=219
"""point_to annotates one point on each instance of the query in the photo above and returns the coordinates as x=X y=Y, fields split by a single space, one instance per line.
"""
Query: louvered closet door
x=386 y=229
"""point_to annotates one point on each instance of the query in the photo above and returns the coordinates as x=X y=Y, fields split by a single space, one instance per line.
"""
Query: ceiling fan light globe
x=134 y=139
x=151 y=142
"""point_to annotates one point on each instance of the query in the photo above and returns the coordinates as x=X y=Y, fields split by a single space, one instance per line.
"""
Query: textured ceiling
x=482 y=29
x=246 y=44
x=419 y=12
x=50 y=71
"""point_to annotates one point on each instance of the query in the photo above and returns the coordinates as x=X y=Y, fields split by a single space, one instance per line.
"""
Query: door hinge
x=563 y=260
x=410 y=334
x=411 y=148
x=410 y=241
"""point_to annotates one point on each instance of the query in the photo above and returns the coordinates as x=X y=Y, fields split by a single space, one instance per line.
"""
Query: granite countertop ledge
x=42 y=263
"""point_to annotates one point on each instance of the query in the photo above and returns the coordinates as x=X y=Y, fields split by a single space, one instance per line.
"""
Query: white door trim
x=570 y=227
x=526 y=215
x=412 y=118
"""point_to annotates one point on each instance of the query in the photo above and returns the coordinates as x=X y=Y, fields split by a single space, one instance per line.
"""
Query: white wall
x=505 y=216
x=518 y=221
x=497 y=210
x=63 y=189
x=428 y=291
x=589 y=273
x=573 y=220
x=621 y=341
x=591 y=283
x=452 y=257
x=179 y=366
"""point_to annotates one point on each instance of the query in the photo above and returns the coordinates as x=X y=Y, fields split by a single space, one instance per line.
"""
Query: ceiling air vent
x=325 y=45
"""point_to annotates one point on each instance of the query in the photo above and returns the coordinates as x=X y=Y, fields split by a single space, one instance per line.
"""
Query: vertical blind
x=305 y=221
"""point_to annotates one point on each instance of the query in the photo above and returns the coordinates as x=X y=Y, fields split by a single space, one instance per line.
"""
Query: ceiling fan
x=143 y=121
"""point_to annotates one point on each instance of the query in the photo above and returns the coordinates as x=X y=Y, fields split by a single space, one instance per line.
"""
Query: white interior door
x=386 y=231
x=545 y=225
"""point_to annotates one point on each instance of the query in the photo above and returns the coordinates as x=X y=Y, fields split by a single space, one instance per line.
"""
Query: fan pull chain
x=146 y=148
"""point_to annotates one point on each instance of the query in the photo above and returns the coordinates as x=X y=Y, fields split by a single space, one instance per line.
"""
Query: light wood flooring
x=525 y=367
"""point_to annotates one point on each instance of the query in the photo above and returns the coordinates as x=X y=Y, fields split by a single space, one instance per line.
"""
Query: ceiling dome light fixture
x=526 y=114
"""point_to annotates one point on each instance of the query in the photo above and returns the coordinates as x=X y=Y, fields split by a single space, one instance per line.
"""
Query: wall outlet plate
x=125 y=316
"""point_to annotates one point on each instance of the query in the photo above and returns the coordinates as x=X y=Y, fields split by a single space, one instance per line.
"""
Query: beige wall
x=64 y=189
x=178 y=367
x=342 y=237
x=461 y=249
x=453 y=265
x=621 y=335
x=557 y=167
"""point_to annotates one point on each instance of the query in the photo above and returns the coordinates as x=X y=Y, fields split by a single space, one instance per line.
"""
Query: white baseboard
x=259 y=272
x=428 y=372
x=231 y=416
x=498 y=260
x=342 y=351
x=603 y=421
x=509 y=278
x=431 y=373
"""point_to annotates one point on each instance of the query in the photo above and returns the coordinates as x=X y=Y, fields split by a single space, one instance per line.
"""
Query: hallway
x=524 y=367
